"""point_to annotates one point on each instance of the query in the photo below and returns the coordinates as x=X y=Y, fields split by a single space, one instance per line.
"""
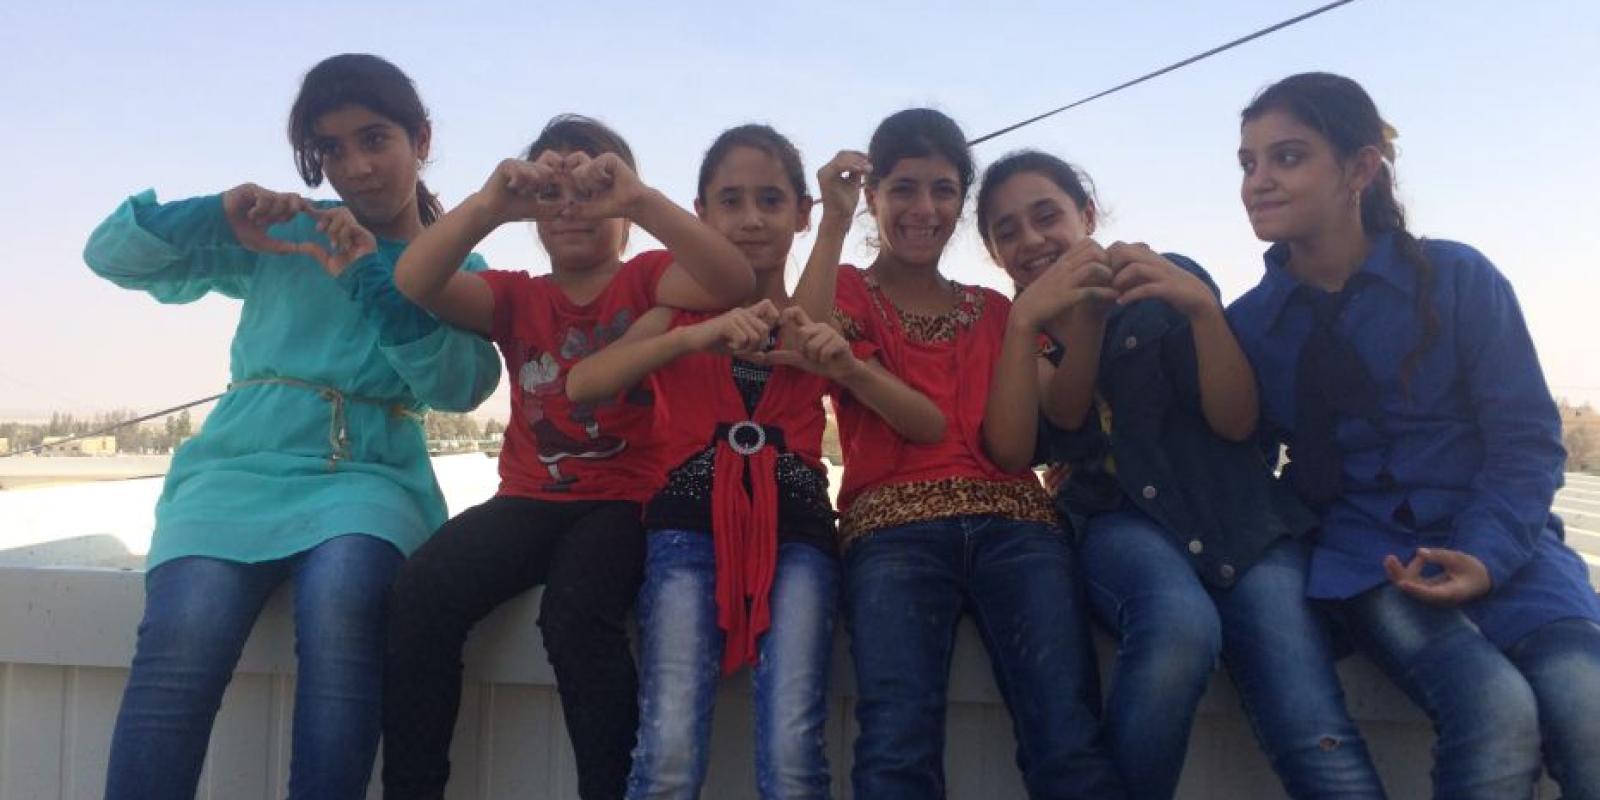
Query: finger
x=1134 y=274
x=795 y=316
x=314 y=250
x=785 y=358
x=1453 y=561
x=1446 y=594
x=766 y=312
x=1098 y=294
x=1392 y=568
x=833 y=349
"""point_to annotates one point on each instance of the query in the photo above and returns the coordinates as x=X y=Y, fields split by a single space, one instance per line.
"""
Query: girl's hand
x=1143 y=273
x=527 y=190
x=1464 y=578
x=1081 y=276
x=738 y=331
x=840 y=182
x=816 y=347
x=251 y=210
x=604 y=187
x=349 y=239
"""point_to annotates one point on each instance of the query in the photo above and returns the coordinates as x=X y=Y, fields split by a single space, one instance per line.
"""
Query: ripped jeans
x=1171 y=628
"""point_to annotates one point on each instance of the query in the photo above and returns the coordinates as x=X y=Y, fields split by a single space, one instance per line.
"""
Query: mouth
x=1263 y=207
x=918 y=234
x=1034 y=265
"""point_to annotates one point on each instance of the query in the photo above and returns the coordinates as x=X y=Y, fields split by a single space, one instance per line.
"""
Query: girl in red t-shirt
x=934 y=530
x=572 y=474
x=741 y=566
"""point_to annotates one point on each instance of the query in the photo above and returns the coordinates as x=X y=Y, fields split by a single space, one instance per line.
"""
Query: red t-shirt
x=954 y=374
x=556 y=449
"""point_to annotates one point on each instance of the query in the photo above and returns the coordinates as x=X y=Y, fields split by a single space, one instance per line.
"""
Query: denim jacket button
x=1130 y=342
x=1149 y=492
x=1196 y=546
x=1226 y=571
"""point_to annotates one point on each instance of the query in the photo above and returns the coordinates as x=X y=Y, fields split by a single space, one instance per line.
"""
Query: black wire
x=1164 y=70
x=118 y=426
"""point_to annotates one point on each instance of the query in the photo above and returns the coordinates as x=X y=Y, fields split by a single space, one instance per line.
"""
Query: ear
x=870 y=192
x=1091 y=216
x=700 y=209
x=424 y=141
x=1364 y=168
x=802 y=214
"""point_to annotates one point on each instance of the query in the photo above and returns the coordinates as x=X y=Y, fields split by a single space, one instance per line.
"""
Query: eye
x=1289 y=158
x=374 y=140
x=1248 y=165
x=1047 y=218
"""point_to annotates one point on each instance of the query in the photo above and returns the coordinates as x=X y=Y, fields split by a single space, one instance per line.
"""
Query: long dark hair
x=357 y=79
x=1344 y=114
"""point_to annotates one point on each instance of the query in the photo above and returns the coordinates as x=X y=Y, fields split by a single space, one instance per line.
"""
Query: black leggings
x=590 y=556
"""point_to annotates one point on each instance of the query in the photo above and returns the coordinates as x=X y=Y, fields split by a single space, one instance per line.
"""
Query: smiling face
x=750 y=200
x=916 y=206
x=1031 y=223
x=1294 y=185
x=372 y=163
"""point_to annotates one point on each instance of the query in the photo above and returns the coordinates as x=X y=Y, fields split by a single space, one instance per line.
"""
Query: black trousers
x=590 y=557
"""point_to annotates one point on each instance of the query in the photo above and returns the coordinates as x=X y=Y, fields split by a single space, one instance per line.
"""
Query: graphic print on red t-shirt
x=542 y=377
x=554 y=448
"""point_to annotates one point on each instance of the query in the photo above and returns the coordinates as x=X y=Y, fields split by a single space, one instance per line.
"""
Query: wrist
x=854 y=374
x=479 y=214
x=643 y=204
x=1208 y=315
x=834 y=223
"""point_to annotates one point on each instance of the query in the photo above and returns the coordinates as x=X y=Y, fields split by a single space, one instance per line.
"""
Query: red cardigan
x=697 y=404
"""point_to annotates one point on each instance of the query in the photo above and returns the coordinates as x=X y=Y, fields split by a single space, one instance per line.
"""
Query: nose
x=924 y=203
x=1257 y=181
x=751 y=219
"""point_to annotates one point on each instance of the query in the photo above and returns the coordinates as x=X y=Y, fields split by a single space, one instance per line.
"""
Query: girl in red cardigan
x=741 y=565
x=938 y=529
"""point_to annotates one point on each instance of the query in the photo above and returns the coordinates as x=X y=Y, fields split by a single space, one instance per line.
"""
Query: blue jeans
x=1484 y=710
x=1561 y=661
x=680 y=652
x=1171 y=628
x=905 y=591
x=198 y=614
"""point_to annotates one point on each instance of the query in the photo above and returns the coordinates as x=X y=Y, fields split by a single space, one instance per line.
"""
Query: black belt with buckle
x=747 y=437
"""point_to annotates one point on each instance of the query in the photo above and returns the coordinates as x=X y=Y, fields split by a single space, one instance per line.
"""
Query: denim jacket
x=1216 y=499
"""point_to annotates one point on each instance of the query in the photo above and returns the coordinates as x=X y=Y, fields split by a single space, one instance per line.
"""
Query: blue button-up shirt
x=1465 y=452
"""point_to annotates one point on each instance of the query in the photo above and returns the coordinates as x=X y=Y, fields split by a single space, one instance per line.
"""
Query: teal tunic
x=318 y=435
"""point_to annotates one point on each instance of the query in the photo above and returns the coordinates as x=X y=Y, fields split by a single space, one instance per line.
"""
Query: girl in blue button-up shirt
x=1401 y=376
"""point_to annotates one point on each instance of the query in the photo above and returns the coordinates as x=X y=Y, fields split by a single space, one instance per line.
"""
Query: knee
x=1506 y=712
x=1179 y=640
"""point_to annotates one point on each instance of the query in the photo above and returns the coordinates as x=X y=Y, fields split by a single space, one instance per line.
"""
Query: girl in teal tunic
x=313 y=467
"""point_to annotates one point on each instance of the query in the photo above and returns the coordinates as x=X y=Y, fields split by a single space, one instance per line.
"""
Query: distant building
x=92 y=446
x=5 y=445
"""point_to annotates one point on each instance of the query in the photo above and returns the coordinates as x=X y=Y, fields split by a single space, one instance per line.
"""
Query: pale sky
x=1494 y=103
